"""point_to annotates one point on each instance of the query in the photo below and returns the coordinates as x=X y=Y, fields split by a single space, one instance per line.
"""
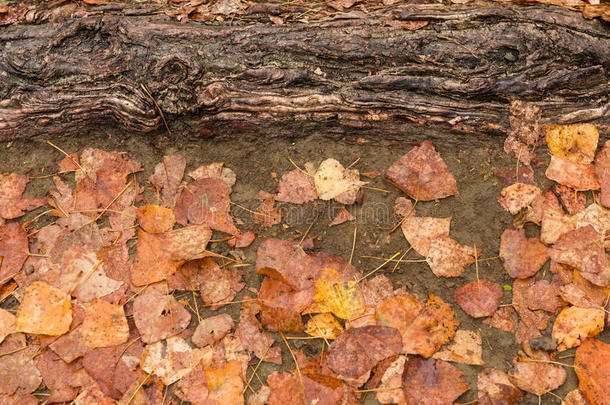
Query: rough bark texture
x=351 y=74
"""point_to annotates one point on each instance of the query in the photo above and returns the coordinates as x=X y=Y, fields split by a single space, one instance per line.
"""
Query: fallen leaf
x=290 y=388
x=422 y=174
x=403 y=207
x=267 y=214
x=206 y=201
x=504 y=319
x=18 y=374
x=342 y=216
x=592 y=366
x=536 y=375
x=518 y=196
x=287 y=262
x=424 y=327
x=333 y=293
x=466 y=349
x=602 y=169
x=340 y=5
x=576 y=142
x=508 y=176
x=424 y=379
x=7 y=324
x=573 y=201
x=215 y=170
x=56 y=375
x=447 y=258
x=158 y=316
x=522 y=256
x=495 y=388
x=13 y=250
x=167 y=177
x=296 y=187
x=193 y=387
x=574 y=397
x=155 y=219
x=579 y=176
x=225 y=383
x=104 y=325
x=332 y=180
x=421 y=231
x=583 y=249
x=44 y=310
x=211 y=330
x=574 y=324
x=172 y=359
x=217 y=285
x=582 y=293
x=357 y=350
x=525 y=130
x=252 y=335
x=390 y=390
x=324 y=326
x=543 y=295
x=12 y=205
x=479 y=298
x=93 y=395
x=281 y=306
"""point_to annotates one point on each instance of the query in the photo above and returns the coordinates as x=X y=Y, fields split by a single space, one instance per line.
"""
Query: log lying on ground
x=351 y=74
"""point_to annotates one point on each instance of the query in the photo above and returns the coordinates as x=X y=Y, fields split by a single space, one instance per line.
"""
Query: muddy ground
x=477 y=217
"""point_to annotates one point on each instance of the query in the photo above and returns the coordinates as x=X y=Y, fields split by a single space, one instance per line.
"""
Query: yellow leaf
x=574 y=142
x=334 y=294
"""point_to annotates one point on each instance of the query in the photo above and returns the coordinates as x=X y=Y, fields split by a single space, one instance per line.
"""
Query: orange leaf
x=155 y=219
x=592 y=366
x=574 y=324
x=104 y=325
x=44 y=310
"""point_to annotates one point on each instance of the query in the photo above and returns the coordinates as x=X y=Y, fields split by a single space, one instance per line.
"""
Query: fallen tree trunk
x=350 y=74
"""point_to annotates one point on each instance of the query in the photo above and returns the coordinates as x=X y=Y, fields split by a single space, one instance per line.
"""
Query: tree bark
x=352 y=74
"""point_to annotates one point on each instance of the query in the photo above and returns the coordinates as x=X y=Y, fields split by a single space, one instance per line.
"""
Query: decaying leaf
x=447 y=258
x=495 y=388
x=357 y=350
x=508 y=176
x=155 y=219
x=573 y=201
x=333 y=181
x=576 y=142
x=287 y=262
x=333 y=293
x=466 y=348
x=592 y=366
x=308 y=388
x=212 y=329
x=525 y=130
x=420 y=231
x=281 y=306
x=579 y=176
x=324 y=326
x=167 y=178
x=172 y=359
x=297 y=187
x=479 y=298
x=422 y=174
x=424 y=327
x=522 y=257
x=574 y=324
x=13 y=250
x=602 y=169
x=252 y=335
x=431 y=378
x=536 y=374
x=267 y=214
x=104 y=325
x=18 y=374
x=342 y=216
x=7 y=324
x=216 y=284
x=504 y=319
x=518 y=196
x=215 y=170
x=12 y=205
x=44 y=310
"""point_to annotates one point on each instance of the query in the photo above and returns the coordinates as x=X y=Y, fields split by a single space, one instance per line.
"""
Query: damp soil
x=259 y=163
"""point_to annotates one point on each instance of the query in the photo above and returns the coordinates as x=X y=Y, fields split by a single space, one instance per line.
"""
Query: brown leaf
x=424 y=327
x=495 y=388
x=13 y=250
x=574 y=397
x=525 y=130
x=93 y=395
x=536 y=375
x=155 y=219
x=12 y=205
x=403 y=207
x=420 y=231
x=56 y=375
x=357 y=350
x=504 y=319
x=479 y=298
x=342 y=216
x=281 y=306
x=7 y=324
x=158 y=316
x=251 y=334
x=522 y=257
x=267 y=214
x=324 y=326
x=543 y=295
x=574 y=324
x=518 y=196
x=573 y=201
x=296 y=187
x=425 y=379
x=212 y=329
x=18 y=374
x=508 y=176
x=215 y=170
x=193 y=387
x=289 y=388
x=104 y=325
x=583 y=249
x=287 y=262
x=582 y=293
x=206 y=201
x=579 y=176
x=592 y=366
x=447 y=258
x=217 y=285
x=466 y=349
x=602 y=169
x=422 y=174
x=167 y=178
x=44 y=310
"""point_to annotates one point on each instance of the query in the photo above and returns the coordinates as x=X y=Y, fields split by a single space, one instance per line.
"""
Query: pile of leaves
x=97 y=304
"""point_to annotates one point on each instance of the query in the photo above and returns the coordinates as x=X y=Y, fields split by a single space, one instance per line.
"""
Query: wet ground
x=258 y=164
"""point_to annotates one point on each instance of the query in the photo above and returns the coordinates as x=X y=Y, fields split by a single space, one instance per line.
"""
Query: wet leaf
x=576 y=142
x=225 y=383
x=155 y=219
x=509 y=175
x=504 y=319
x=56 y=375
x=431 y=378
x=104 y=325
x=592 y=366
x=296 y=187
x=479 y=298
x=466 y=349
x=324 y=326
x=574 y=324
x=356 y=351
x=281 y=306
x=390 y=388
x=424 y=327
x=537 y=376
x=252 y=335
x=517 y=196
x=44 y=310
x=12 y=205
x=7 y=324
x=422 y=174
x=573 y=201
x=579 y=176
x=522 y=257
